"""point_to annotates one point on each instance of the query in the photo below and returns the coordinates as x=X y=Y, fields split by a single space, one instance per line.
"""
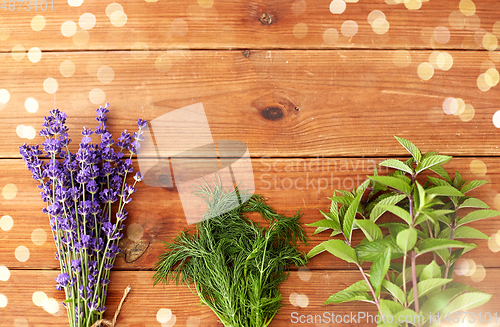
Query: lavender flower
x=79 y=190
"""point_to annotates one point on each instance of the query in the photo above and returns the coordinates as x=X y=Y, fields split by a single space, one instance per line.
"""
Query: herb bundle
x=82 y=191
x=433 y=215
x=235 y=264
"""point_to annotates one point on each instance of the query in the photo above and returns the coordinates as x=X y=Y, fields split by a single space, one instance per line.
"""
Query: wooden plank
x=144 y=301
x=156 y=213
x=280 y=103
x=225 y=24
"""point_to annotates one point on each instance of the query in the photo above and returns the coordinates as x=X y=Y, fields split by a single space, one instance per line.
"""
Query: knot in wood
x=266 y=19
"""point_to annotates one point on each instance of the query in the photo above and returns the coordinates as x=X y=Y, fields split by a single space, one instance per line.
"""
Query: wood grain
x=326 y=103
x=156 y=213
x=144 y=301
x=227 y=24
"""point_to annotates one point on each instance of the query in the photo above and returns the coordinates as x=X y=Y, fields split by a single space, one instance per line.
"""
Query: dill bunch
x=235 y=264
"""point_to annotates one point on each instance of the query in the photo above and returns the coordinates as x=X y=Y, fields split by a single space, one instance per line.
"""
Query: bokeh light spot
x=87 y=21
x=179 y=27
x=163 y=63
x=68 y=28
x=31 y=105
x=22 y=253
x=483 y=82
x=9 y=191
x=4 y=273
x=67 y=68
x=39 y=236
x=375 y=14
x=38 y=23
x=478 y=168
x=468 y=113
x=305 y=273
x=50 y=85
x=51 y=306
x=425 y=71
x=135 y=231
x=349 y=28
x=118 y=18
x=105 y=74
x=479 y=274
x=380 y=26
x=467 y=7
x=401 y=58
x=299 y=7
x=302 y=300
x=461 y=267
x=112 y=7
x=39 y=298
x=330 y=36
x=450 y=106
x=4 y=96
x=29 y=132
x=75 y=3
x=337 y=7
x=496 y=122
x=3 y=301
x=205 y=3
x=34 y=54
x=461 y=107
x=81 y=38
x=441 y=34
x=6 y=223
x=18 y=52
x=300 y=30
x=97 y=96
x=456 y=20
x=490 y=42
x=163 y=315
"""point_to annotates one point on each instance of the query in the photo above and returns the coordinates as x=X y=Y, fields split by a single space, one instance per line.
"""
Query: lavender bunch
x=82 y=192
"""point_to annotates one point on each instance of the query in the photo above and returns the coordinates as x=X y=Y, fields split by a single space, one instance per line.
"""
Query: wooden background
x=301 y=82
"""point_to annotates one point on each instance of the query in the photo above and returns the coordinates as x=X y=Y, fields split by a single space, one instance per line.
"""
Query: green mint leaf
x=370 y=229
x=431 y=161
x=466 y=302
x=393 y=182
x=398 y=211
x=378 y=211
x=378 y=270
x=444 y=191
x=341 y=250
x=406 y=239
x=397 y=164
x=316 y=250
x=395 y=291
x=431 y=244
x=411 y=148
x=426 y=286
x=432 y=270
x=348 y=222
x=437 y=302
x=441 y=172
x=477 y=215
x=472 y=185
x=473 y=203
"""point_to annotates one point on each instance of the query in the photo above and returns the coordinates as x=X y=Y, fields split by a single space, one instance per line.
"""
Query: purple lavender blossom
x=79 y=190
